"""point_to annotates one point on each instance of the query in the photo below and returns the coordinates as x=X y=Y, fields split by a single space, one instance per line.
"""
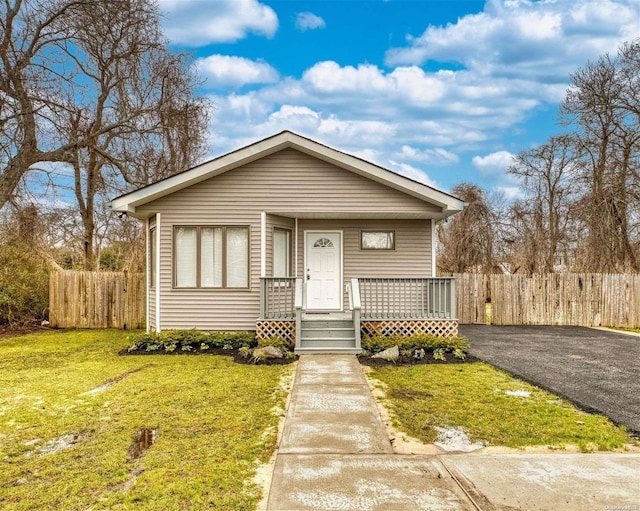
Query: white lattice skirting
x=439 y=328
x=270 y=328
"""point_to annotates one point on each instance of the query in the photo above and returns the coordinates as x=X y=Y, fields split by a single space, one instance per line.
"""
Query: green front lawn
x=65 y=435
x=491 y=407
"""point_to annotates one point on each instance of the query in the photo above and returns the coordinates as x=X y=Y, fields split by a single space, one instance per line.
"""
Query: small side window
x=377 y=240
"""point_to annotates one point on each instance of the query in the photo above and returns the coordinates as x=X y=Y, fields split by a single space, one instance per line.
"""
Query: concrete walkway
x=334 y=453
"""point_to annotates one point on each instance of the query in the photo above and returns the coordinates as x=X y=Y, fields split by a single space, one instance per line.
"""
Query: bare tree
x=97 y=88
x=467 y=240
x=542 y=220
x=28 y=34
x=602 y=105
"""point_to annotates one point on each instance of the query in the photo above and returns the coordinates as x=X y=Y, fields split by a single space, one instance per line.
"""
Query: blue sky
x=441 y=91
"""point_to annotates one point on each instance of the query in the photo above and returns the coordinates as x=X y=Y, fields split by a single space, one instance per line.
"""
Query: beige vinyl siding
x=291 y=182
x=287 y=182
x=412 y=256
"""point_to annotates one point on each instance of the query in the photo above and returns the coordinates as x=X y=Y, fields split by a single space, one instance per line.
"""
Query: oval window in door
x=323 y=243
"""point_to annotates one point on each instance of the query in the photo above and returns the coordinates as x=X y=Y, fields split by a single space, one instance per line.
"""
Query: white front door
x=323 y=265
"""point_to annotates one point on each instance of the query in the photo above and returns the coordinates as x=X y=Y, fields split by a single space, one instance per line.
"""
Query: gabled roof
x=284 y=140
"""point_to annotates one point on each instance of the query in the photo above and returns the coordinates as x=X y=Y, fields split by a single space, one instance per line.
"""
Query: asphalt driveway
x=597 y=370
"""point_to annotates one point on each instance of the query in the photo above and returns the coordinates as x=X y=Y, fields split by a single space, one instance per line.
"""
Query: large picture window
x=211 y=257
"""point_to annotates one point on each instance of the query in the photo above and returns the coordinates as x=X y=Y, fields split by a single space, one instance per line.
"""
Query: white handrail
x=355 y=305
x=298 y=295
x=355 y=294
x=297 y=302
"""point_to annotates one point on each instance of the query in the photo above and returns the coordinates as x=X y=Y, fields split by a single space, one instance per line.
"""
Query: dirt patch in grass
x=22 y=329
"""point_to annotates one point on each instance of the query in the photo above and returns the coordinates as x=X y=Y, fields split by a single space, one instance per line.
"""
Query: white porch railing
x=407 y=298
x=277 y=297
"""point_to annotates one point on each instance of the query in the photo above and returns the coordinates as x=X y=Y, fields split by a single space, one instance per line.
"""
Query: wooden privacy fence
x=117 y=300
x=84 y=299
x=471 y=297
x=581 y=299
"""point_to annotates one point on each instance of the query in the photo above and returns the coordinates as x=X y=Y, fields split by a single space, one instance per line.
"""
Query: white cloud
x=309 y=21
x=516 y=56
x=510 y=193
x=202 y=22
x=435 y=156
x=542 y=40
x=494 y=163
x=412 y=173
x=229 y=71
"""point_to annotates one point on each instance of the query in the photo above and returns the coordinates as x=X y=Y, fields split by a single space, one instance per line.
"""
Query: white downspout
x=295 y=247
x=433 y=247
x=263 y=244
x=147 y=261
x=158 y=236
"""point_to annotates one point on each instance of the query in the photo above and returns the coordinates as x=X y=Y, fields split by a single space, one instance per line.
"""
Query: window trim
x=152 y=251
x=375 y=231
x=289 y=250
x=198 y=285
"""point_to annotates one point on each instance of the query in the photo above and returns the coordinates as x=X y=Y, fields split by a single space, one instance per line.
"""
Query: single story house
x=290 y=237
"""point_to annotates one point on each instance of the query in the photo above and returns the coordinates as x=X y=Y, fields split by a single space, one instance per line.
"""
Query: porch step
x=327 y=335
x=325 y=351
x=328 y=342
x=326 y=324
x=332 y=333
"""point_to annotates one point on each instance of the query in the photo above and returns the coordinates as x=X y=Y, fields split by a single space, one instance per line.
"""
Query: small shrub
x=190 y=340
x=24 y=284
x=458 y=353
x=414 y=343
x=438 y=354
x=245 y=351
x=277 y=342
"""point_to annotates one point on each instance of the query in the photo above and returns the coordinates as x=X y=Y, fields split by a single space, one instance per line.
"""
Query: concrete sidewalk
x=335 y=453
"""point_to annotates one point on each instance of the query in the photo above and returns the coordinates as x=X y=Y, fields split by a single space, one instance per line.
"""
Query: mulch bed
x=404 y=360
x=237 y=357
x=364 y=360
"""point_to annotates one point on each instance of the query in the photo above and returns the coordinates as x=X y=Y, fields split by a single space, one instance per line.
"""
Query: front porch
x=377 y=306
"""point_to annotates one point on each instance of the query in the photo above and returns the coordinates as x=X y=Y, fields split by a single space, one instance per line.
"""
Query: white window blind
x=186 y=247
x=237 y=257
x=211 y=257
x=281 y=251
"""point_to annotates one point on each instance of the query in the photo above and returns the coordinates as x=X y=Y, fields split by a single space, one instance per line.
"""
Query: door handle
x=308 y=274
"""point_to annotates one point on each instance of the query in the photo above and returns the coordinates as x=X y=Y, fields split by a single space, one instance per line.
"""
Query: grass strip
x=492 y=407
